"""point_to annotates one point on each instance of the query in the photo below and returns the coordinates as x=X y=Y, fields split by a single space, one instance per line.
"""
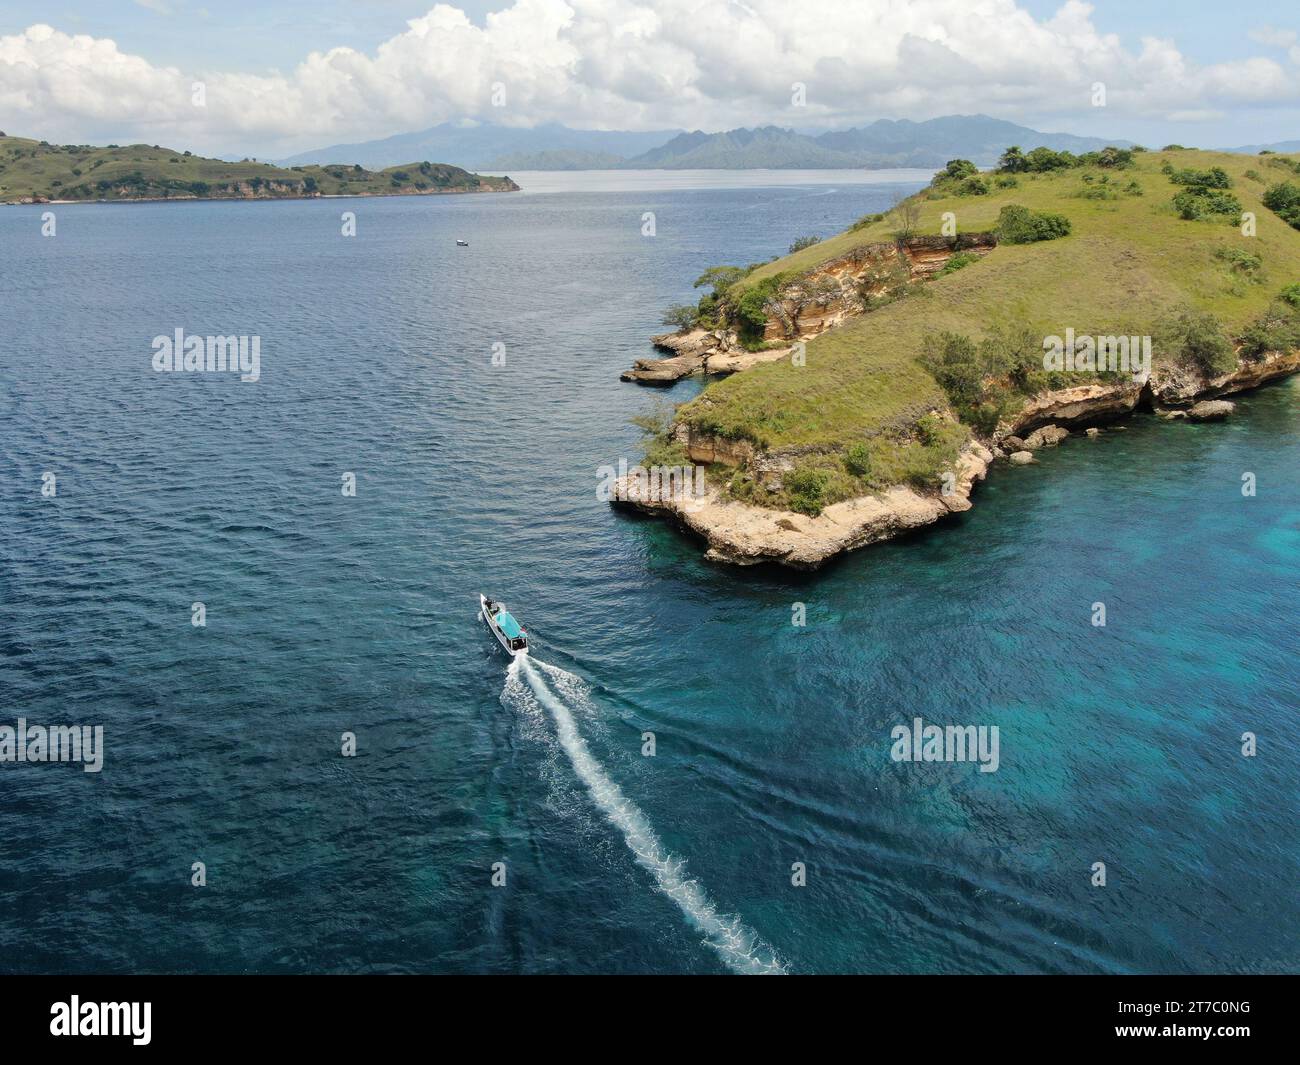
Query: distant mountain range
x=1281 y=147
x=475 y=147
x=883 y=144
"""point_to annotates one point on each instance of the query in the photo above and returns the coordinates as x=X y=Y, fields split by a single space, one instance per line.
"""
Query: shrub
x=1240 y=262
x=982 y=417
x=1019 y=225
x=800 y=243
x=751 y=309
x=957 y=262
x=806 y=486
x=1277 y=329
x=1196 y=338
x=1198 y=205
x=1045 y=160
x=857 y=460
x=958 y=169
x=1214 y=178
x=866 y=220
x=1284 y=201
x=1291 y=295
x=1016 y=352
x=973 y=186
x=954 y=361
x=929 y=429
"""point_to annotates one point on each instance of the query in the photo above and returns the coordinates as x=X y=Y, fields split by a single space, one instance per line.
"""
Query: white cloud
x=634 y=64
x=1272 y=36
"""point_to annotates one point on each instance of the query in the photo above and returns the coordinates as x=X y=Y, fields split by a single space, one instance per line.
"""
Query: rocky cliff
x=836 y=290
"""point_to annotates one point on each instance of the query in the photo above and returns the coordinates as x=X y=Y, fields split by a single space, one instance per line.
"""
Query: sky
x=279 y=77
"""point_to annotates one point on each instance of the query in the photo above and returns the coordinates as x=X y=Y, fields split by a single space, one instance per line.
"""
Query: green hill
x=37 y=170
x=859 y=414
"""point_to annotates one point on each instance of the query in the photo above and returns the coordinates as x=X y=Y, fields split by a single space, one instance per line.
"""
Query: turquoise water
x=329 y=614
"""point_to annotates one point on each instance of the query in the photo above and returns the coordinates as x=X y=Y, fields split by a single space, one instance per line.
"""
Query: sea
x=316 y=758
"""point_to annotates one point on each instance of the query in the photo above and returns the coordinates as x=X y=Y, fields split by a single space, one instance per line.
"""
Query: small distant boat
x=509 y=633
x=461 y=243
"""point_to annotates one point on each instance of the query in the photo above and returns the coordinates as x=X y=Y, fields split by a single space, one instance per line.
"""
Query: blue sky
x=1224 y=82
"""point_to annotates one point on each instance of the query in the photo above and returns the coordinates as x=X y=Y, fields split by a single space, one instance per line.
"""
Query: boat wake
x=531 y=682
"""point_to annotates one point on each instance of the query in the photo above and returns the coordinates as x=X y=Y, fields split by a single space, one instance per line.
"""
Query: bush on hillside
x=954 y=361
x=958 y=169
x=1195 y=339
x=1019 y=225
x=1203 y=205
x=806 y=486
x=1214 y=178
x=1277 y=329
x=1284 y=200
x=751 y=308
x=866 y=220
x=1242 y=263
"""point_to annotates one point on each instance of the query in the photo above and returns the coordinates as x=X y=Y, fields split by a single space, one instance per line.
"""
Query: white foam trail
x=740 y=948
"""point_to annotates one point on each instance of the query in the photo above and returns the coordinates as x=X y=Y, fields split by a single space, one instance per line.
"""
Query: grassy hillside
x=36 y=169
x=1128 y=263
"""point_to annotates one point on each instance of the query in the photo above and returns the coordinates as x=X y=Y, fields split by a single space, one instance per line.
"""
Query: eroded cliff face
x=746 y=534
x=1165 y=388
x=835 y=290
x=831 y=293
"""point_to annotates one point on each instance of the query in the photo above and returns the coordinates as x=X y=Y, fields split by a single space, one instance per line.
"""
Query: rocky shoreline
x=745 y=534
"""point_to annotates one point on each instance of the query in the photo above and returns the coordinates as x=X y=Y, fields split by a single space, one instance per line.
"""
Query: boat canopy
x=509 y=625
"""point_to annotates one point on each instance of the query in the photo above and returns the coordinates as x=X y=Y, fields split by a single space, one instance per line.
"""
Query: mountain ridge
x=883 y=144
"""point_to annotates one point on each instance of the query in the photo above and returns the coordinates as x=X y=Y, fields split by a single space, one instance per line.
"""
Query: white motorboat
x=509 y=633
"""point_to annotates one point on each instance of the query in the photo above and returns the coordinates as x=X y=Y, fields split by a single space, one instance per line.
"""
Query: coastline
x=33 y=202
x=744 y=534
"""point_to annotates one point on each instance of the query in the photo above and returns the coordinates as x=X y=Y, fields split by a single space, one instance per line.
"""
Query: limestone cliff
x=833 y=292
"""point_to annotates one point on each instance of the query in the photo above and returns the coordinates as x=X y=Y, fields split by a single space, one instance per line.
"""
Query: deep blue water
x=328 y=614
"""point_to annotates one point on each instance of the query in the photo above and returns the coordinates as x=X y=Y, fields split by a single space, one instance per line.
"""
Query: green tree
x=680 y=316
x=1013 y=161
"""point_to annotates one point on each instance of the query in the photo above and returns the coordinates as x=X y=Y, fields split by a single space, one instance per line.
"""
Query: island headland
x=866 y=383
